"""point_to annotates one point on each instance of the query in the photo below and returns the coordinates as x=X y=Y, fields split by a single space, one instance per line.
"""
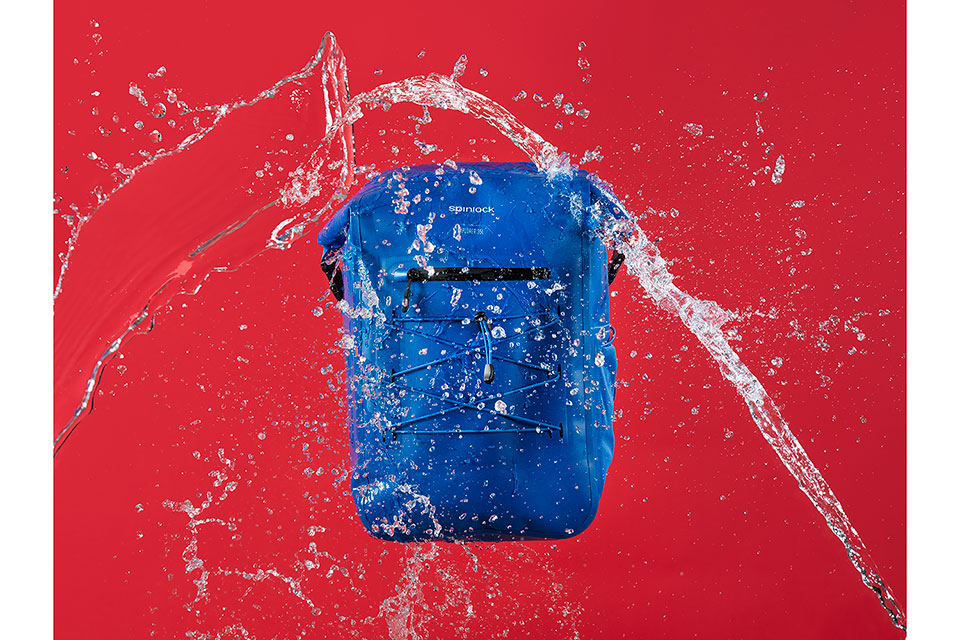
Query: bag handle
x=616 y=260
x=334 y=277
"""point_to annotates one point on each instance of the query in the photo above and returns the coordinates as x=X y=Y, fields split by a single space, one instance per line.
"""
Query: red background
x=701 y=531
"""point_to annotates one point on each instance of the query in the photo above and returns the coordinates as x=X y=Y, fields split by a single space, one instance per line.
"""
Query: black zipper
x=462 y=274
x=470 y=274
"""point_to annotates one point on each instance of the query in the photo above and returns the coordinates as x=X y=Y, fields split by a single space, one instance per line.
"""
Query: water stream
x=324 y=173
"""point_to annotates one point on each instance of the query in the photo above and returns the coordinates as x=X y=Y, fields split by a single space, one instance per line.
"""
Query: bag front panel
x=437 y=447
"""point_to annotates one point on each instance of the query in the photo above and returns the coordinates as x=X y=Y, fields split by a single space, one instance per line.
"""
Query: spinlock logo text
x=455 y=208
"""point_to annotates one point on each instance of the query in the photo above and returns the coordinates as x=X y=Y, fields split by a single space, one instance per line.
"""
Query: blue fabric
x=437 y=451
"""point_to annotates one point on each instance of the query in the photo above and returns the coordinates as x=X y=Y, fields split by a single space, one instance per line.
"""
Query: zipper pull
x=413 y=275
x=487 y=336
x=406 y=298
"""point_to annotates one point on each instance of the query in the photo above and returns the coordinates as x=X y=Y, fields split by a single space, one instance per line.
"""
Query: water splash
x=191 y=557
x=206 y=119
x=226 y=224
x=408 y=611
x=226 y=480
x=433 y=582
x=705 y=320
x=327 y=176
x=444 y=92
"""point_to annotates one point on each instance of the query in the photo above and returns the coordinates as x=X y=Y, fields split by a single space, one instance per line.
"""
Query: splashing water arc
x=232 y=224
x=311 y=108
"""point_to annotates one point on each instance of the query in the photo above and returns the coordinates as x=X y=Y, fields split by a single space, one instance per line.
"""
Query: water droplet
x=459 y=67
x=592 y=155
x=778 y=170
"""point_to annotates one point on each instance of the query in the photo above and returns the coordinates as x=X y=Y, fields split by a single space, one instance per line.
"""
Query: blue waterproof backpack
x=480 y=366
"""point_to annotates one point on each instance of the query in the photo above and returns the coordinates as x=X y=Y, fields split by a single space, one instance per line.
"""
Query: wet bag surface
x=482 y=370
